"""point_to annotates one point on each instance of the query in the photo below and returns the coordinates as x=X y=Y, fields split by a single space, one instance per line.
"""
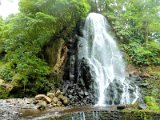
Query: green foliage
x=66 y=12
x=23 y=43
x=3 y=93
x=6 y=71
x=4 y=89
x=1 y=32
x=151 y=103
x=24 y=36
x=136 y=24
x=143 y=54
x=133 y=20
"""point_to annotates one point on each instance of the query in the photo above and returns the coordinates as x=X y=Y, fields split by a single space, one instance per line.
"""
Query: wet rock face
x=142 y=106
x=70 y=66
x=114 y=92
x=141 y=82
x=77 y=81
x=84 y=76
x=77 y=95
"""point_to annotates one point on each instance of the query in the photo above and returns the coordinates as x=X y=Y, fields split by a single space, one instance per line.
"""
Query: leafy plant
x=143 y=54
x=24 y=36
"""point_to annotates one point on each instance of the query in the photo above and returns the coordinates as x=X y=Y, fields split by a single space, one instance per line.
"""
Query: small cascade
x=78 y=116
x=99 y=48
x=94 y=115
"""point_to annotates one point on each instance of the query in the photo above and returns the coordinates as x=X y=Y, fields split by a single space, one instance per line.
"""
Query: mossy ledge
x=114 y=115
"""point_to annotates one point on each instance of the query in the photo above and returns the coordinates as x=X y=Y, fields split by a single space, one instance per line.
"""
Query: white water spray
x=105 y=59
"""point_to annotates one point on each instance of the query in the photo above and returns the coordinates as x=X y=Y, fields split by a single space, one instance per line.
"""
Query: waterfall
x=99 y=48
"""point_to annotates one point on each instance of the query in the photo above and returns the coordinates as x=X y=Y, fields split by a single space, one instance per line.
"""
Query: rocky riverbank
x=25 y=109
x=10 y=108
x=13 y=109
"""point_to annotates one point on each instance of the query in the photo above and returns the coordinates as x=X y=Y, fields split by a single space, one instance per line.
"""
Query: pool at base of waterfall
x=111 y=115
x=120 y=112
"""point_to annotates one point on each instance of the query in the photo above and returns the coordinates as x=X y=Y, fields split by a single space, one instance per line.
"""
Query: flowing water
x=105 y=59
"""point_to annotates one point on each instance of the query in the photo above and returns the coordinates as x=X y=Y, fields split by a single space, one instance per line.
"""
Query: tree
x=25 y=35
x=1 y=29
x=134 y=19
x=136 y=23
x=146 y=16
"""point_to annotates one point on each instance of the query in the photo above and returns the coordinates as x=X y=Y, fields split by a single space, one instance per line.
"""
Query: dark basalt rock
x=144 y=84
x=142 y=106
x=77 y=81
x=121 y=107
x=85 y=78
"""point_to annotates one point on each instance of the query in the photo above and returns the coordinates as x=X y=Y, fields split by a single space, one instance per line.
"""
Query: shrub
x=151 y=103
x=143 y=54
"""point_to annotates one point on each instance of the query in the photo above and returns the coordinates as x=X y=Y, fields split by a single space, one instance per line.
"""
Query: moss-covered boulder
x=151 y=103
x=5 y=88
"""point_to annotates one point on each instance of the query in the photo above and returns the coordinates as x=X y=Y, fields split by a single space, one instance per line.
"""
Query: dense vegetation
x=136 y=23
x=24 y=66
x=24 y=35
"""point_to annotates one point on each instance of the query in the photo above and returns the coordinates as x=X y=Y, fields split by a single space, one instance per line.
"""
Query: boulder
x=86 y=93
x=65 y=100
x=70 y=96
x=81 y=92
x=142 y=106
x=59 y=103
x=35 y=101
x=121 y=107
x=58 y=93
x=55 y=100
x=144 y=84
x=54 y=105
x=60 y=97
x=43 y=97
x=41 y=105
x=51 y=95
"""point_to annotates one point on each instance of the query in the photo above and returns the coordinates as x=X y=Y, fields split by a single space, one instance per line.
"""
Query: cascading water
x=105 y=60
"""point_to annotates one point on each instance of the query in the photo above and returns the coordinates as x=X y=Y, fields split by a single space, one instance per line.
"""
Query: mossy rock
x=3 y=93
x=151 y=103
x=53 y=51
x=5 y=88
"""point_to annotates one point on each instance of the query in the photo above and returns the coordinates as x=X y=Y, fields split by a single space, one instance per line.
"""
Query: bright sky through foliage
x=8 y=7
